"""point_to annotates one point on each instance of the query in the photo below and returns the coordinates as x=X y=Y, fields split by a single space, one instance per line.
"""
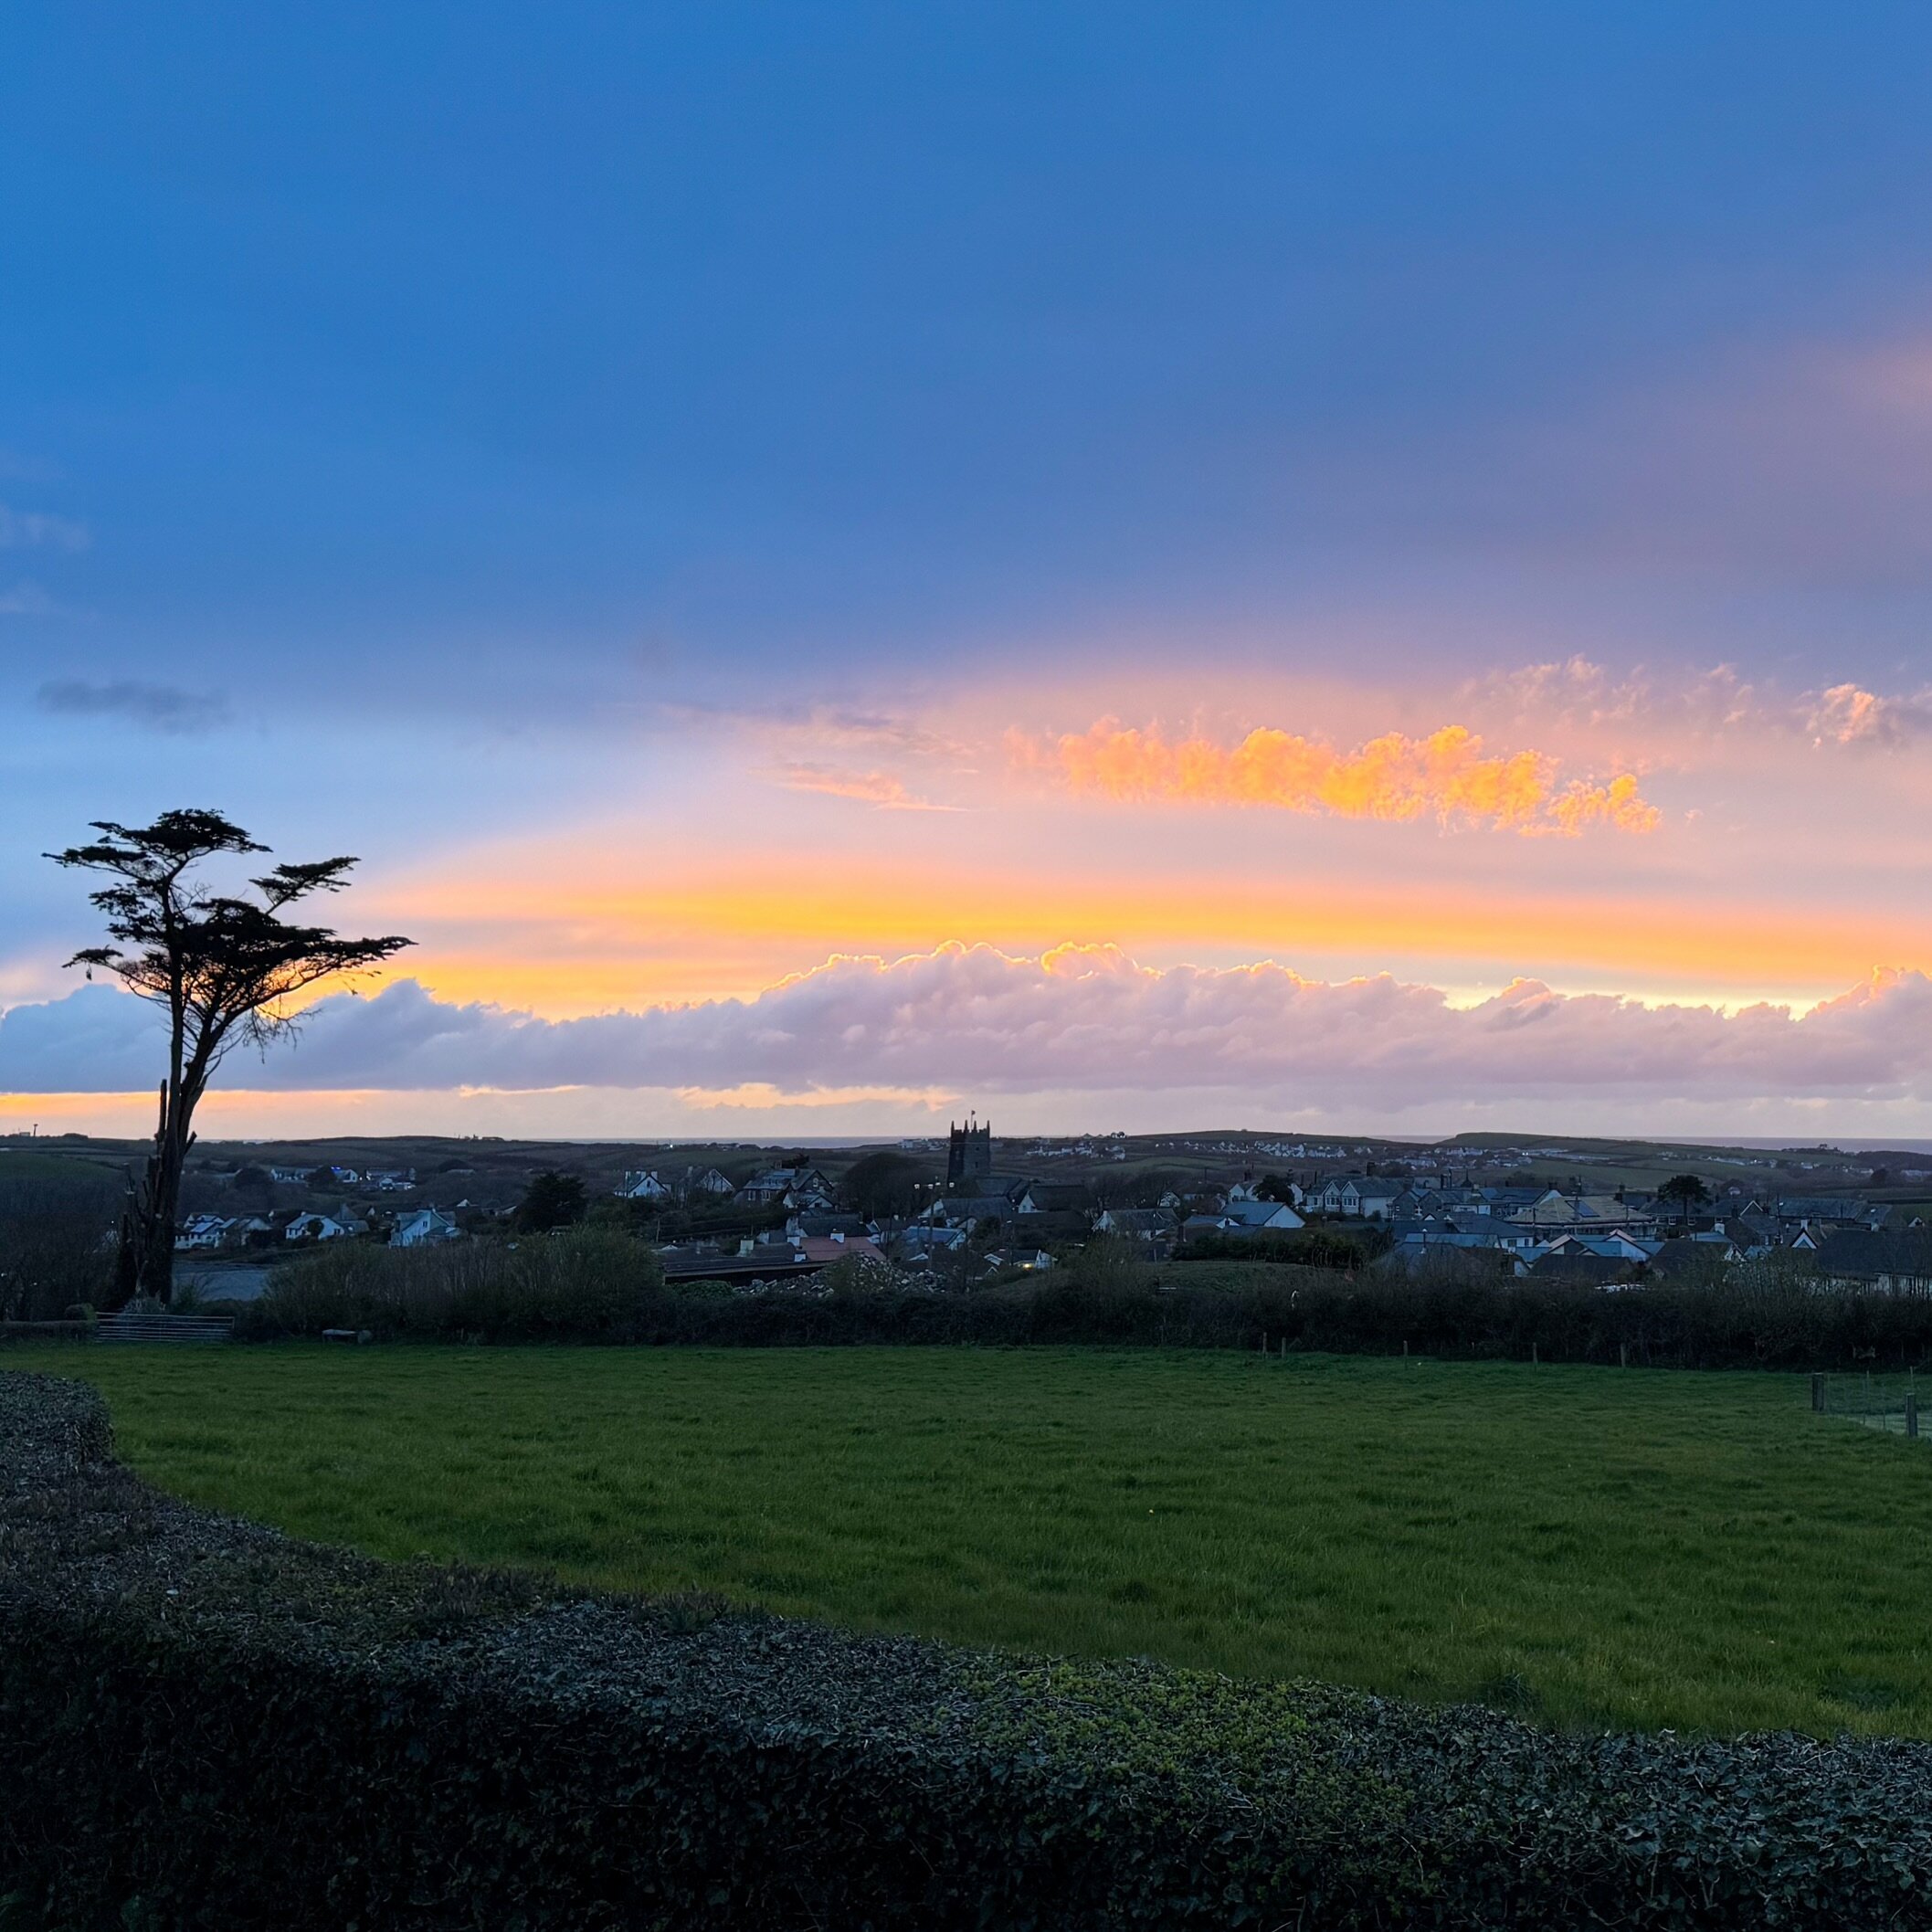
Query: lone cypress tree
x=224 y=967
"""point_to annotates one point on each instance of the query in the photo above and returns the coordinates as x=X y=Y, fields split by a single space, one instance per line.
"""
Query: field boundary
x=209 y=1724
x=1887 y=1402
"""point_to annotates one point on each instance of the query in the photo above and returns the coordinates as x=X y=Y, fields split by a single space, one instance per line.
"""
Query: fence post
x=1623 y=1354
x=1818 y=1394
x=1535 y=1353
x=1911 y=1415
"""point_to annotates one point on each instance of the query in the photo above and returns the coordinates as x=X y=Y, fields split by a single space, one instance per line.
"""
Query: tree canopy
x=226 y=966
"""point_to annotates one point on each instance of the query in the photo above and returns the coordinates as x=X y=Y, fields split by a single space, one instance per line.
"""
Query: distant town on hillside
x=951 y=1211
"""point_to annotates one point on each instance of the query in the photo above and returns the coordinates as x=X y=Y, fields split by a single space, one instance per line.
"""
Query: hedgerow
x=596 y=1286
x=205 y=1724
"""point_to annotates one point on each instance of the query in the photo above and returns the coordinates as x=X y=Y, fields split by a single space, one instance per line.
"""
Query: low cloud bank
x=975 y=1020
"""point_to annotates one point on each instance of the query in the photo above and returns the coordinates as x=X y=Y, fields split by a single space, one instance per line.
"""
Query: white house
x=1029 y=1260
x=315 y=1228
x=203 y=1230
x=1252 y=1216
x=710 y=1182
x=640 y=1186
x=424 y=1229
x=1355 y=1196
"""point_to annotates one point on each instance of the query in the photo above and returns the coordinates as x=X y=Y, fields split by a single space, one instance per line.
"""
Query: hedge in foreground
x=204 y=1723
x=592 y=1285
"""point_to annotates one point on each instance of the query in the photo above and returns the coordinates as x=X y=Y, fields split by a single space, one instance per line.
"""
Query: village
x=963 y=1211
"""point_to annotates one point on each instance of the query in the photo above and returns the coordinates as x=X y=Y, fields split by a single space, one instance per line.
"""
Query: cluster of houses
x=414 y=1228
x=1607 y=1238
x=695 y=1184
x=980 y=1223
x=374 y=1181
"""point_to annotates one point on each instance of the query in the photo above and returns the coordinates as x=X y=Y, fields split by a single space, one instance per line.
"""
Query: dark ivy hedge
x=204 y=1724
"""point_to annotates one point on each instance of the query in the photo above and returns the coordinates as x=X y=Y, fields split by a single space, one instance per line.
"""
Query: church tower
x=969 y=1153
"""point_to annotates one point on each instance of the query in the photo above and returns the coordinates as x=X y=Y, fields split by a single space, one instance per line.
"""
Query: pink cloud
x=870 y=788
x=974 y=1020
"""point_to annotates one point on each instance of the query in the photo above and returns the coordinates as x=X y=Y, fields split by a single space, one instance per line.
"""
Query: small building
x=1051 y=1198
x=1261 y=1218
x=425 y=1228
x=1892 y=1263
x=830 y=1248
x=1137 y=1224
x=315 y=1228
x=786 y=1187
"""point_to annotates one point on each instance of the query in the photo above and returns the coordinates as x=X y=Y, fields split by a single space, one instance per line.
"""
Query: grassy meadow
x=1582 y=1545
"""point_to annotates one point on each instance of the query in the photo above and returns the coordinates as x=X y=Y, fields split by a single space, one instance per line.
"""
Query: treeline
x=587 y=1285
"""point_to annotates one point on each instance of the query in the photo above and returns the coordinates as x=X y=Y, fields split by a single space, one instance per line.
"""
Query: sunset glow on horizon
x=749 y=530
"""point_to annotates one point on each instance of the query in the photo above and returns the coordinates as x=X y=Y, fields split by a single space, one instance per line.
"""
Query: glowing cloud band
x=1446 y=775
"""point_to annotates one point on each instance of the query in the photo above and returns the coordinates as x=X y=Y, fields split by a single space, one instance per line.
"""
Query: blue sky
x=429 y=426
x=843 y=329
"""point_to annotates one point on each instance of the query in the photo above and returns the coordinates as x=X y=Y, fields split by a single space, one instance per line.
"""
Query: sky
x=1123 y=566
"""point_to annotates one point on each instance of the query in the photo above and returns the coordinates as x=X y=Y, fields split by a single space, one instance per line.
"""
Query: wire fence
x=1889 y=1402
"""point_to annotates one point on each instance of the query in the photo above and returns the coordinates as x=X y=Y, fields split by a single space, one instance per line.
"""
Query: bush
x=208 y=1724
x=1303 y=1247
x=576 y=1285
x=591 y=1285
x=55 y=1243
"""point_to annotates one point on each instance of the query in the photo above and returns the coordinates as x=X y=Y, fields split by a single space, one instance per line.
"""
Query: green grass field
x=1585 y=1544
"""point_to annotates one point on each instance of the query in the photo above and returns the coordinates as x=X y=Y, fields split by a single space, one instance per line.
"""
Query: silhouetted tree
x=1687 y=1190
x=224 y=967
x=551 y=1200
x=883 y=1183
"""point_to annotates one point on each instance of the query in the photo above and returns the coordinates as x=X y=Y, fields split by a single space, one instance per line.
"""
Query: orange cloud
x=1446 y=775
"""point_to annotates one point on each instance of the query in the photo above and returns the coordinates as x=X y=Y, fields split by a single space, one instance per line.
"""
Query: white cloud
x=34 y=529
x=1846 y=715
x=971 y=1020
x=26 y=599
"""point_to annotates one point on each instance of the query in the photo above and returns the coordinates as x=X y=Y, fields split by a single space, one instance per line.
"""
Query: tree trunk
x=146 y=1265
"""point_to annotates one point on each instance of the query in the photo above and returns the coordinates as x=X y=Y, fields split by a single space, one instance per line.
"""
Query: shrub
x=576 y=1285
x=208 y=1724
x=55 y=1233
x=1305 y=1247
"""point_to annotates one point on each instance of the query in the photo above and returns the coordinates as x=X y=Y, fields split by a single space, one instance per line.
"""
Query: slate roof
x=1859 y=1255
